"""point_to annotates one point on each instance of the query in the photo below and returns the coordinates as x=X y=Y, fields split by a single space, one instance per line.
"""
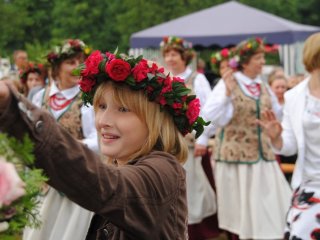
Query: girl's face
x=34 y=80
x=279 y=87
x=254 y=67
x=67 y=80
x=121 y=132
x=174 y=61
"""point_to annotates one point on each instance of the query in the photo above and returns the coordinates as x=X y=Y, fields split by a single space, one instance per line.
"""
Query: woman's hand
x=229 y=81
x=272 y=127
x=4 y=94
x=199 y=150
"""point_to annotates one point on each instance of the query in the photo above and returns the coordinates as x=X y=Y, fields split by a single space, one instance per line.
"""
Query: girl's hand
x=229 y=81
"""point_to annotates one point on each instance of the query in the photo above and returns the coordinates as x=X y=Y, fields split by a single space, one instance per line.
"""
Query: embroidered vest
x=190 y=137
x=241 y=140
x=70 y=119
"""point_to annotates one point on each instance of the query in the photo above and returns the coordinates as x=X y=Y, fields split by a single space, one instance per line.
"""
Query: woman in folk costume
x=177 y=54
x=299 y=133
x=33 y=76
x=62 y=219
x=252 y=192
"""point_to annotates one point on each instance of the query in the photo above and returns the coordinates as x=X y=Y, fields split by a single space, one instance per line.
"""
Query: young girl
x=141 y=117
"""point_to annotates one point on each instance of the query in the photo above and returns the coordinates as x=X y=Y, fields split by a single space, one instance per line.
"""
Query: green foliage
x=21 y=155
x=106 y=24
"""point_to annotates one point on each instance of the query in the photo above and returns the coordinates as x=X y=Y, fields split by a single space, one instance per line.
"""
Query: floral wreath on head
x=248 y=48
x=169 y=92
x=66 y=49
x=31 y=68
x=175 y=41
x=219 y=56
x=178 y=43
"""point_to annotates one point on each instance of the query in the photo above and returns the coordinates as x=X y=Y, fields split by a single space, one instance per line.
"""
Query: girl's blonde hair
x=163 y=134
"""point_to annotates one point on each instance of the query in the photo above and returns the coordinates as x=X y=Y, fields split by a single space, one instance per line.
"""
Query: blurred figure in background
x=299 y=133
x=32 y=76
x=252 y=193
x=63 y=219
x=177 y=54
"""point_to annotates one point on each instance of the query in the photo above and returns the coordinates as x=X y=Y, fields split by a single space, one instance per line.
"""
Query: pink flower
x=110 y=56
x=225 y=52
x=140 y=71
x=11 y=186
x=233 y=63
x=193 y=110
x=118 y=69
x=86 y=84
x=92 y=63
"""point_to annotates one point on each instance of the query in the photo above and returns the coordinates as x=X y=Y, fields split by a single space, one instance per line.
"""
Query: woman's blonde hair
x=311 y=52
x=163 y=134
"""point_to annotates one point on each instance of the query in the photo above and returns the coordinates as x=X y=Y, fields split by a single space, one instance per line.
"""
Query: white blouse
x=202 y=89
x=311 y=126
x=201 y=86
x=87 y=113
x=219 y=109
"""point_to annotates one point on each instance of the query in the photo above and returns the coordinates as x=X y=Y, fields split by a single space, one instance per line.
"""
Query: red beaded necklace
x=58 y=103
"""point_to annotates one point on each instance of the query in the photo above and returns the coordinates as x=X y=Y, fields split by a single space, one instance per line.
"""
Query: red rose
x=224 y=52
x=259 y=40
x=92 y=63
x=177 y=105
x=178 y=79
x=167 y=87
x=162 y=100
x=140 y=71
x=118 y=69
x=86 y=84
x=160 y=80
x=154 y=68
x=193 y=110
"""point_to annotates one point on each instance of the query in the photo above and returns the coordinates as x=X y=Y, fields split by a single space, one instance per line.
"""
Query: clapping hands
x=272 y=127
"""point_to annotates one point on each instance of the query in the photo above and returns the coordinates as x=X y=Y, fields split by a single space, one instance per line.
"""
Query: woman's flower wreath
x=248 y=48
x=224 y=54
x=66 y=49
x=23 y=211
x=31 y=68
x=169 y=92
x=172 y=40
x=219 y=56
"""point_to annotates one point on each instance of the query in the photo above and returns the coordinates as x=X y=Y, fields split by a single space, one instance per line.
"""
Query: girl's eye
x=102 y=106
x=123 y=109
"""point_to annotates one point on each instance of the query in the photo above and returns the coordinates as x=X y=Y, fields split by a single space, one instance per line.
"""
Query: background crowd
x=237 y=185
